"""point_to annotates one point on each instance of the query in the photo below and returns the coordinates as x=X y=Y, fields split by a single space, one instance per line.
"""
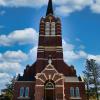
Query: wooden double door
x=49 y=91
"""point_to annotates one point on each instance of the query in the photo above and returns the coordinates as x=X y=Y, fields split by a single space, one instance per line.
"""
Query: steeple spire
x=50 y=8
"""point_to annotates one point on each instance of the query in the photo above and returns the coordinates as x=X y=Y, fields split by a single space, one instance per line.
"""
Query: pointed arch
x=27 y=92
x=22 y=92
x=77 y=92
x=72 y=92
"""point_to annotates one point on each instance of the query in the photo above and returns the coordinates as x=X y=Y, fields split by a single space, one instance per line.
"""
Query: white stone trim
x=50 y=47
x=54 y=76
x=49 y=77
x=59 y=51
x=58 y=80
x=45 y=76
x=71 y=79
x=38 y=74
x=47 y=59
x=63 y=89
x=75 y=82
x=59 y=59
x=41 y=80
x=50 y=35
x=23 y=98
x=40 y=48
x=47 y=68
x=59 y=86
x=75 y=98
x=39 y=85
x=40 y=51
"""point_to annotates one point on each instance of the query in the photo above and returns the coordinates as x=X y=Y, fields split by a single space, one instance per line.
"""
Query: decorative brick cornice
x=50 y=35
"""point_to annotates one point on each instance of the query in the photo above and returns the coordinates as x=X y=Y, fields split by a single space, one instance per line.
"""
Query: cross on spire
x=49 y=8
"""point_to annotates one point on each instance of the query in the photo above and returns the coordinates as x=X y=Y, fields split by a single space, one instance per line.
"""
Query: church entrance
x=49 y=91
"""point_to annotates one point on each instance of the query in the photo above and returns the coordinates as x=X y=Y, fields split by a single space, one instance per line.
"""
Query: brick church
x=49 y=78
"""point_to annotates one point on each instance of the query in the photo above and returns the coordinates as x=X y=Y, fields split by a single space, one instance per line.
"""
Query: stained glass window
x=77 y=92
x=27 y=92
x=72 y=92
x=21 y=91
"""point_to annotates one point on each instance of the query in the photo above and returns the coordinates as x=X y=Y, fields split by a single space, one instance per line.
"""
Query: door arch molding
x=49 y=90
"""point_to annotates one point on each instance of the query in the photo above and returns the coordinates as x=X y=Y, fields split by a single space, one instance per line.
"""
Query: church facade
x=49 y=78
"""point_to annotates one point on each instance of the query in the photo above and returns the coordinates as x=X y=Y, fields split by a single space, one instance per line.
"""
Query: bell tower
x=50 y=37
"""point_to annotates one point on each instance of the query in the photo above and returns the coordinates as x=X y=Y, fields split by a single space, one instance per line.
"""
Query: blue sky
x=19 y=25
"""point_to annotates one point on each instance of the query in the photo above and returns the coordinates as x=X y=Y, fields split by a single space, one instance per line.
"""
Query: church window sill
x=24 y=98
x=75 y=98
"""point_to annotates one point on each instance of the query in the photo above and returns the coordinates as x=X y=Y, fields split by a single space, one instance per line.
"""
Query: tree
x=87 y=87
x=92 y=75
x=9 y=89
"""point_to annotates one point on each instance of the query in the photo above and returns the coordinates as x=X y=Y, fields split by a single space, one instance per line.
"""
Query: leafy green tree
x=87 y=87
x=9 y=89
x=92 y=76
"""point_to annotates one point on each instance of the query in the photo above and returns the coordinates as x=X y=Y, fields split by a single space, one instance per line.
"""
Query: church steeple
x=50 y=8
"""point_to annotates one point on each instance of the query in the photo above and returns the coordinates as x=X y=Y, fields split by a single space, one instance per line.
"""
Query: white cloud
x=20 y=37
x=71 y=6
x=71 y=54
x=23 y=3
x=63 y=10
x=10 y=67
x=60 y=2
x=67 y=46
x=2 y=2
x=82 y=54
x=95 y=57
x=4 y=76
x=13 y=56
x=11 y=64
x=63 y=7
x=95 y=7
x=33 y=53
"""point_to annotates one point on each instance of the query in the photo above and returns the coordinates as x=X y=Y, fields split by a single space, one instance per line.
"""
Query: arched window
x=49 y=85
x=21 y=91
x=27 y=92
x=77 y=92
x=53 y=28
x=72 y=92
x=47 y=28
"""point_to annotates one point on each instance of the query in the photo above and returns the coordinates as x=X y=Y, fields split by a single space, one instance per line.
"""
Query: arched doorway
x=49 y=91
